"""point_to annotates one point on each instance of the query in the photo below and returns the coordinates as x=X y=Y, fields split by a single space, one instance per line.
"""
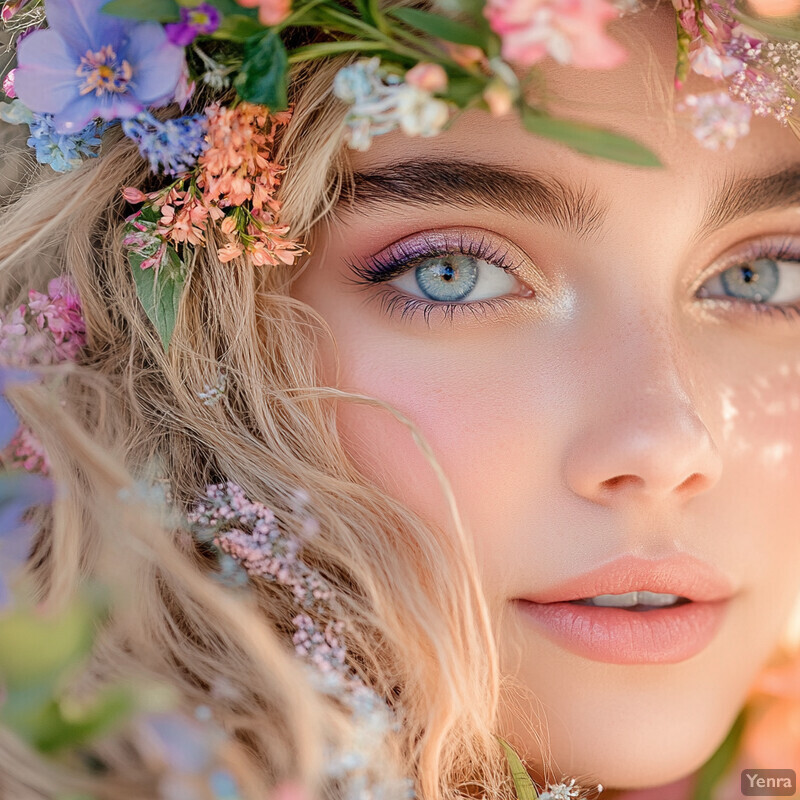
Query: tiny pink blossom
x=499 y=98
x=571 y=31
x=270 y=12
x=8 y=84
x=427 y=76
x=134 y=195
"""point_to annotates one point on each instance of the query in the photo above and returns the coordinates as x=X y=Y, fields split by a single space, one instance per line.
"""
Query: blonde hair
x=420 y=632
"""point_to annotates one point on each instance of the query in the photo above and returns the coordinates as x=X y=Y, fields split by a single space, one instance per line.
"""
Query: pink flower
x=571 y=31
x=430 y=77
x=270 y=12
x=8 y=85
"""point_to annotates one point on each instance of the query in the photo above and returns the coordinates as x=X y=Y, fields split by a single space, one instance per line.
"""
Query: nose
x=642 y=441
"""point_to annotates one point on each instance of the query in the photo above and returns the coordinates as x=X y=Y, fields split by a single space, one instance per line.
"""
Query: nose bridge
x=640 y=436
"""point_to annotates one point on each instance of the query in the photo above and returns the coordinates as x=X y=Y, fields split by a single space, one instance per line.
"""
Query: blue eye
x=444 y=272
x=767 y=283
x=455 y=277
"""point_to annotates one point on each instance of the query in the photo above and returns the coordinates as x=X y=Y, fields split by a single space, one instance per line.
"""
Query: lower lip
x=617 y=636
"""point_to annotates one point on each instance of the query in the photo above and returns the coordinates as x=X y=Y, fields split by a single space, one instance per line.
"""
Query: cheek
x=475 y=412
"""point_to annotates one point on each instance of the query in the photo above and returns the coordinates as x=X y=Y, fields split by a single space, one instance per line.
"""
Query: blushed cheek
x=494 y=439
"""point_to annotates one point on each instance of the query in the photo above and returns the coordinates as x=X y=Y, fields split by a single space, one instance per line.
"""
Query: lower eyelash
x=759 y=309
x=408 y=306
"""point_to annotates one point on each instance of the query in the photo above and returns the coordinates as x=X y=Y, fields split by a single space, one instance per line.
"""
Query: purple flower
x=173 y=145
x=202 y=19
x=87 y=64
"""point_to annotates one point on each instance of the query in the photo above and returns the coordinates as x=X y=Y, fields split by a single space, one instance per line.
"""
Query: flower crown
x=85 y=65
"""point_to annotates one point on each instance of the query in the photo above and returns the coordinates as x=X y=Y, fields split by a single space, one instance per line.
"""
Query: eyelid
x=397 y=258
x=748 y=251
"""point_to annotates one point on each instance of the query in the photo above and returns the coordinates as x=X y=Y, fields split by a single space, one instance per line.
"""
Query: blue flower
x=87 y=64
x=61 y=151
x=18 y=492
x=173 y=145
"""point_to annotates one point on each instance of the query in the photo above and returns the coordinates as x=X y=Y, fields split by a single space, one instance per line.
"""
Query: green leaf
x=159 y=10
x=238 y=28
x=263 y=77
x=35 y=649
x=159 y=290
x=230 y=7
x=114 y=706
x=786 y=28
x=589 y=140
x=441 y=27
x=463 y=90
x=716 y=766
x=522 y=781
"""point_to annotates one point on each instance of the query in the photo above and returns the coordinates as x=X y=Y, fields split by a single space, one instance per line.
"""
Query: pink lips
x=619 y=636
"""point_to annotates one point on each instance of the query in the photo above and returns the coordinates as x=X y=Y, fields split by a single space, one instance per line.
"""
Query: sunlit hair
x=421 y=632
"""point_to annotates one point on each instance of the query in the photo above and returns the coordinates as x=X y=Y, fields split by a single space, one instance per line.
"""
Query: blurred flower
x=48 y=329
x=88 y=64
x=381 y=102
x=197 y=21
x=270 y=12
x=173 y=145
x=427 y=76
x=717 y=118
x=771 y=737
x=571 y=31
x=709 y=62
x=18 y=492
x=11 y=8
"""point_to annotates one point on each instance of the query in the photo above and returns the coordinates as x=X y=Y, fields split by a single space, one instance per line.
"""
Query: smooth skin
x=605 y=407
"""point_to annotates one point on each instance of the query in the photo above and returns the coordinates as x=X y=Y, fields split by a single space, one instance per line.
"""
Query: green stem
x=293 y=18
x=312 y=51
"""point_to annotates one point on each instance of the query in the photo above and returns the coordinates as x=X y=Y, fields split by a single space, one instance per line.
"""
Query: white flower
x=381 y=102
x=707 y=61
x=562 y=791
x=418 y=113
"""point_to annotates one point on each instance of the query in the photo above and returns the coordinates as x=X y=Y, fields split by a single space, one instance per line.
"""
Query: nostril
x=621 y=480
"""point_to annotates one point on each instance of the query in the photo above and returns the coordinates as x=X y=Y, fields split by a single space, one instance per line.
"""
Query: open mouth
x=634 y=601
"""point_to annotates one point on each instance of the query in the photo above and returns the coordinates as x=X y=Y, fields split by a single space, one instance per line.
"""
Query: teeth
x=630 y=599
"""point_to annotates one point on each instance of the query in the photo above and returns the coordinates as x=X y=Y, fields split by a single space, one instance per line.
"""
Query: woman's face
x=582 y=344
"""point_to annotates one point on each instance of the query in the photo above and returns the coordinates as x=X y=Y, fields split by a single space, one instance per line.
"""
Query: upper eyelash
x=398 y=259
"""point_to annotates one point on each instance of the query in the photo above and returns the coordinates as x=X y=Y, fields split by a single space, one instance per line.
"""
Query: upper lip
x=680 y=574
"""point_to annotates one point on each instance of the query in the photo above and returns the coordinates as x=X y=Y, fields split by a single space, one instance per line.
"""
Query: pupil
x=748 y=274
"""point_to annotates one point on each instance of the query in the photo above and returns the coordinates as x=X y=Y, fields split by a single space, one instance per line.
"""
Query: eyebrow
x=545 y=198
x=548 y=199
x=737 y=197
